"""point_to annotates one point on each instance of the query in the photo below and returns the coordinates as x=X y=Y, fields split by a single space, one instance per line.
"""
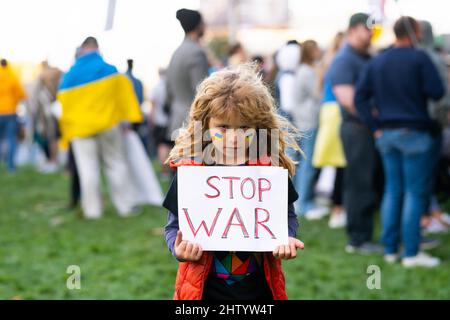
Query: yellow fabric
x=377 y=30
x=97 y=106
x=328 y=150
x=11 y=91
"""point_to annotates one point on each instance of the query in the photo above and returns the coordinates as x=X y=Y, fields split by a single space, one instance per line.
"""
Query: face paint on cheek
x=249 y=137
x=217 y=136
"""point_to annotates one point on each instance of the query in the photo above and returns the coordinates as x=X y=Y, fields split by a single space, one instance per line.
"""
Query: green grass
x=128 y=258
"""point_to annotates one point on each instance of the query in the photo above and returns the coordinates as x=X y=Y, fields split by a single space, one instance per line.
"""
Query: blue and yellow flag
x=95 y=98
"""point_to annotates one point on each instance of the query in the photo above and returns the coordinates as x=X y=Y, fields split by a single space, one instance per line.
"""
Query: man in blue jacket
x=391 y=98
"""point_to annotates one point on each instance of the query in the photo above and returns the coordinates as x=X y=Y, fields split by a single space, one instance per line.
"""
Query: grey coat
x=188 y=67
x=307 y=104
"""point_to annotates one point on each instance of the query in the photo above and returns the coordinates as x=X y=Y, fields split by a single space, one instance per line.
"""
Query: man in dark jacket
x=395 y=86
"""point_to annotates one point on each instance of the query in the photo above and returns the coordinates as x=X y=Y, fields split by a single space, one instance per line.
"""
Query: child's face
x=231 y=138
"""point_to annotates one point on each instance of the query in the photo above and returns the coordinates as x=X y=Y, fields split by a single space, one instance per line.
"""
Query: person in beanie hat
x=187 y=68
x=189 y=19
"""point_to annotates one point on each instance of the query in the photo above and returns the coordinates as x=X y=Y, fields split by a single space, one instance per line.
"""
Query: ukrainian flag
x=95 y=97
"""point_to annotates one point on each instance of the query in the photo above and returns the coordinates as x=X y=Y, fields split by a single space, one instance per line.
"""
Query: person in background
x=95 y=100
x=360 y=197
x=187 y=68
x=11 y=93
x=306 y=119
x=71 y=167
x=236 y=55
x=270 y=77
x=259 y=61
x=45 y=124
x=141 y=128
x=137 y=84
x=338 y=216
x=287 y=60
x=324 y=64
x=396 y=86
x=435 y=220
x=158 y=119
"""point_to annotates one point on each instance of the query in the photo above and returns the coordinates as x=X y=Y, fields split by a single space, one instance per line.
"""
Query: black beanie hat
x=189 y=19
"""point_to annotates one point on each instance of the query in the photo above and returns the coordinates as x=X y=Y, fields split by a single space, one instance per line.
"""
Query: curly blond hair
x=231 y=92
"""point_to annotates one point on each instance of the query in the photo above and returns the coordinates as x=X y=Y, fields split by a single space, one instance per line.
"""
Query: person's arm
x=182 y=250
x=363 y=98
x=432 y=82
x=199 y=69
x=170 y=231
x=292 y=221
x=342 y=82
x=289 y=251
x=344 y=94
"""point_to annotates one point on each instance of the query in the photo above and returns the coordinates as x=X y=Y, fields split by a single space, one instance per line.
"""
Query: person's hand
x=185 y=250
x=288 y=251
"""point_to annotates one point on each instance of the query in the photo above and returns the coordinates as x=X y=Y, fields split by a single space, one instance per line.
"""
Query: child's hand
x=288 y=251
x=187 y=251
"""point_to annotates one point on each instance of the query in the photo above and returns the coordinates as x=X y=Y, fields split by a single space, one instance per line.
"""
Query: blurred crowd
x=374 y=127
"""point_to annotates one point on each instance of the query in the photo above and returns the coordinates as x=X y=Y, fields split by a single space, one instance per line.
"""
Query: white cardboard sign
x=233 y=208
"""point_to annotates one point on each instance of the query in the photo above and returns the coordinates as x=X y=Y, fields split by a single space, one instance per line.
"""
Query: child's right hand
x=185 y=250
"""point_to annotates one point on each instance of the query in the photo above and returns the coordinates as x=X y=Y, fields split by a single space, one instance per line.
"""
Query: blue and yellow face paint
x=248 y=136
x=217 y=136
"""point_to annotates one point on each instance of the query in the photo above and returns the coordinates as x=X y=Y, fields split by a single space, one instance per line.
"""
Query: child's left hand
x=288 y=251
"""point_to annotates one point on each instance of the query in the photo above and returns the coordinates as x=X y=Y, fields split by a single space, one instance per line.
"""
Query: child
x=231 y=106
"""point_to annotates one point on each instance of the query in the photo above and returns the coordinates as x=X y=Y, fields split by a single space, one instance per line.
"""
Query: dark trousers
x=8 y=132
x=336 y=196
x=75 y=191
x=360 y=194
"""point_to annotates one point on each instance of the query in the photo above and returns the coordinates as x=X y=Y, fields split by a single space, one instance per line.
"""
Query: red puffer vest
x=191 y=276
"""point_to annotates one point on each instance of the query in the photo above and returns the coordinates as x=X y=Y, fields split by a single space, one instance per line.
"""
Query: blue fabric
x=87 y=68
x=406 y=160
x=305 y=177
x=328 y=95
x=398 y=83
x=138 y=87
x=345 y=69
x=8 y=133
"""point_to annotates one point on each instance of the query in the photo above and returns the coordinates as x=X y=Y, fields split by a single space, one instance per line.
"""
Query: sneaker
x=391 y=257
x=365 y=248
x=421 y=260
x=429 y=243
x=316 y=213
x=435 y=226
x=338 y=221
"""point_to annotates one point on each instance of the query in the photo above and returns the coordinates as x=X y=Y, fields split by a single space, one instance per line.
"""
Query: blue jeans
x=406 y=158
x=305 y=177
x=8 y=132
